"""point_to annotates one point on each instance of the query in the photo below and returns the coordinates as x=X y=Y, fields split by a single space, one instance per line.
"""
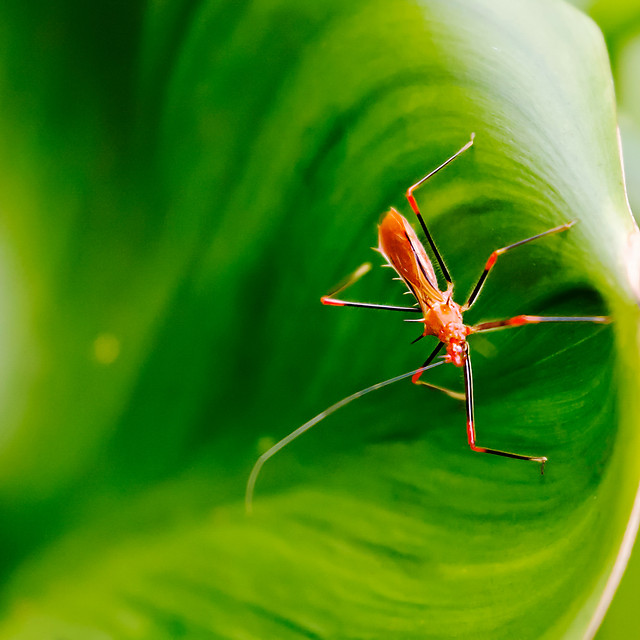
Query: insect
x=442 y=317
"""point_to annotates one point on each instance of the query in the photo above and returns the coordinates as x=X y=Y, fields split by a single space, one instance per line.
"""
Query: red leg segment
x=351 y=279
x=498 y=252
x=416 y=210
x=415 y=379
x=519 y=321
x=471 y=430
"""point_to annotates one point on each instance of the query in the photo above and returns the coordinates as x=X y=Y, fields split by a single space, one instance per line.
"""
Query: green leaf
x=621 y=29
x=170 y=257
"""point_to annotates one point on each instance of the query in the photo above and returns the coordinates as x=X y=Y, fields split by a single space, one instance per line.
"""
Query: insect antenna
x=253 y=476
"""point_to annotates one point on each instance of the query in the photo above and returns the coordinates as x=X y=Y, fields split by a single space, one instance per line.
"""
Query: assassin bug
x=441 y=316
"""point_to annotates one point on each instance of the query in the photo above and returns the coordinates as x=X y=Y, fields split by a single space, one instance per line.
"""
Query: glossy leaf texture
x=181 y=182
x=620 y=23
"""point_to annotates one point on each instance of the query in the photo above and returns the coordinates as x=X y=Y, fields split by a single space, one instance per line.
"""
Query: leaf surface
x=266 y=140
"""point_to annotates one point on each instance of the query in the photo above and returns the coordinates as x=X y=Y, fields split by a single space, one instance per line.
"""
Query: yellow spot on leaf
x=106 y=348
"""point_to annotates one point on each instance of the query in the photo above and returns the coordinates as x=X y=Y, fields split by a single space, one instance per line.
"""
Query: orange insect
x=441 y=315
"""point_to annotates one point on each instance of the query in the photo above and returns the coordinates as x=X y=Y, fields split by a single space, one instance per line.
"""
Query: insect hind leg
x=414 y=205
x=352 y=278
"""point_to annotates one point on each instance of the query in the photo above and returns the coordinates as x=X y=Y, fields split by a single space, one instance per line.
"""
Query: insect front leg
x=416 y=378
x=257 y=467
x=456 y=395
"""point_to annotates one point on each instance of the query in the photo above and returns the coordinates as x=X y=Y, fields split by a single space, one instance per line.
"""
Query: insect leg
x=471 y=429
x=456 y=395
x=416 y=210
x=519 y=321
x=351 y=279
x=257 y=467
x=498 y=252
x=416 y=378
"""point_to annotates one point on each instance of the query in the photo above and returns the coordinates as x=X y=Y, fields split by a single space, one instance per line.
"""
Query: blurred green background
x=179 y=184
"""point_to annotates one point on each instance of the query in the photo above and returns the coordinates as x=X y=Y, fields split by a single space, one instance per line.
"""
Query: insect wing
x=400 y=245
